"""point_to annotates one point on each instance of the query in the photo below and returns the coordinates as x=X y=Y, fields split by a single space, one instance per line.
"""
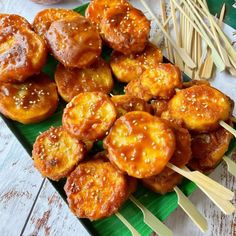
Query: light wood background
x=29 y=205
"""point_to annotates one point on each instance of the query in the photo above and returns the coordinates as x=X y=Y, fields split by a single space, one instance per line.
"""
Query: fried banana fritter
x=140 y=144
x=74 y=42
x=56 y=153
x=89 y=115
x=127 y=103
x=22 y=52
x=29 y=102
x=72 y=81
x=200 y=108
x=129 y=67
x=159 y=82
x=125 y=29
x=96 y=189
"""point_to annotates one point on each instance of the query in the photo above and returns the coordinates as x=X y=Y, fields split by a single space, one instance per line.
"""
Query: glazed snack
x=208 y=149
x=56 y=153
x=96 y=189
x=200 y=108
x=89 y=115
x=127 y=103
x=71 y=82
x=29 y=102
x=159 y=82
x=23 y=53
x=129 y=67
x=46 y=17
x=159 y=106
x=74 y=42
x=140 y=144
x=125 y=29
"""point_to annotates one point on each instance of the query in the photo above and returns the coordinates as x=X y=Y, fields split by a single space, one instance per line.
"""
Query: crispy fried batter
x=127 y=103
x=208 y=149
x=46 y=17
x=127 y=68
x=29 y=102
x=74 y=42
x=96 y=78
x=56 y=153
x=89 y=115
x=96 y=190
x=159 y=106
x=200 y=107
x=125 y=29
x=22 y=52
x=140 y=144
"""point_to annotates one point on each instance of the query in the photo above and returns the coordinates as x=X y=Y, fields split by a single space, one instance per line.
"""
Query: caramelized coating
x=140 y=144
x=29 y=102
x=125 y=29
x=208 y=149
x=129 y=67
x=74 y=42
x=89 y=115
x=96 y=189
x=56 y=153
x=46 y=17
x=22 y=52
x=127 y=103
x=200 y=107
x=72 y=81
x=159 y=106
x=195 y=82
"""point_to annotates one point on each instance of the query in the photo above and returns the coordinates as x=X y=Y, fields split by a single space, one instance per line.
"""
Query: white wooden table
x=29 y=205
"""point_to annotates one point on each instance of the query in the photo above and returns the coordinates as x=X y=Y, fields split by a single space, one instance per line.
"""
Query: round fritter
x=96 y=189
x=72 y=81
x=29 y=102
x=140 y=144
x=159 y=106
x=22 y=52
x=127 y=103
x=56 y=153
x=89 y=115
x=200 y=107
x=208 y=149
x=46 y=17
x=74 y=42
x=127 y=68
x=125 y=29
x=159 y=82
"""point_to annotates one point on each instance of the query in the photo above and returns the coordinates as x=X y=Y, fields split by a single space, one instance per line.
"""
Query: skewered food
x=56 y=153
x=129 y=67
x=159 y=82
x=96 y=189
x=140 y=144
x=23 y=53
x=89 y=115
x=74 y=42
x=29 y=102
x=72 y=81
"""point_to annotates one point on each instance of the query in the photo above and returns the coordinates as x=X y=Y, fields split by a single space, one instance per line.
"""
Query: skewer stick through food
x=231 y=165
x=228 y=127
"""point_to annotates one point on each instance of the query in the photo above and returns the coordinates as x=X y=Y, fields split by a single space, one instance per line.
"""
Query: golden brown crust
x=127 y=103
x=200 y=107
x=89 y=115
x=74 y=42
x=140 y=144
x=72 y=81
x=46 y=17
x=29 y=102
x=125 y=29
x=127 y=68
x=56 y=153
x=23 y=53
x=96 y=190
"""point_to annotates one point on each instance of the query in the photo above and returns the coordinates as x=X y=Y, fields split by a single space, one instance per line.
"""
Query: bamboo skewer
x=231 y=165
x=228 y=127
x=133 y=231
x=191 y=210
x=154 y=223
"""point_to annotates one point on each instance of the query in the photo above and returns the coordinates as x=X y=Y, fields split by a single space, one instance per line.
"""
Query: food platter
x=160 y=206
